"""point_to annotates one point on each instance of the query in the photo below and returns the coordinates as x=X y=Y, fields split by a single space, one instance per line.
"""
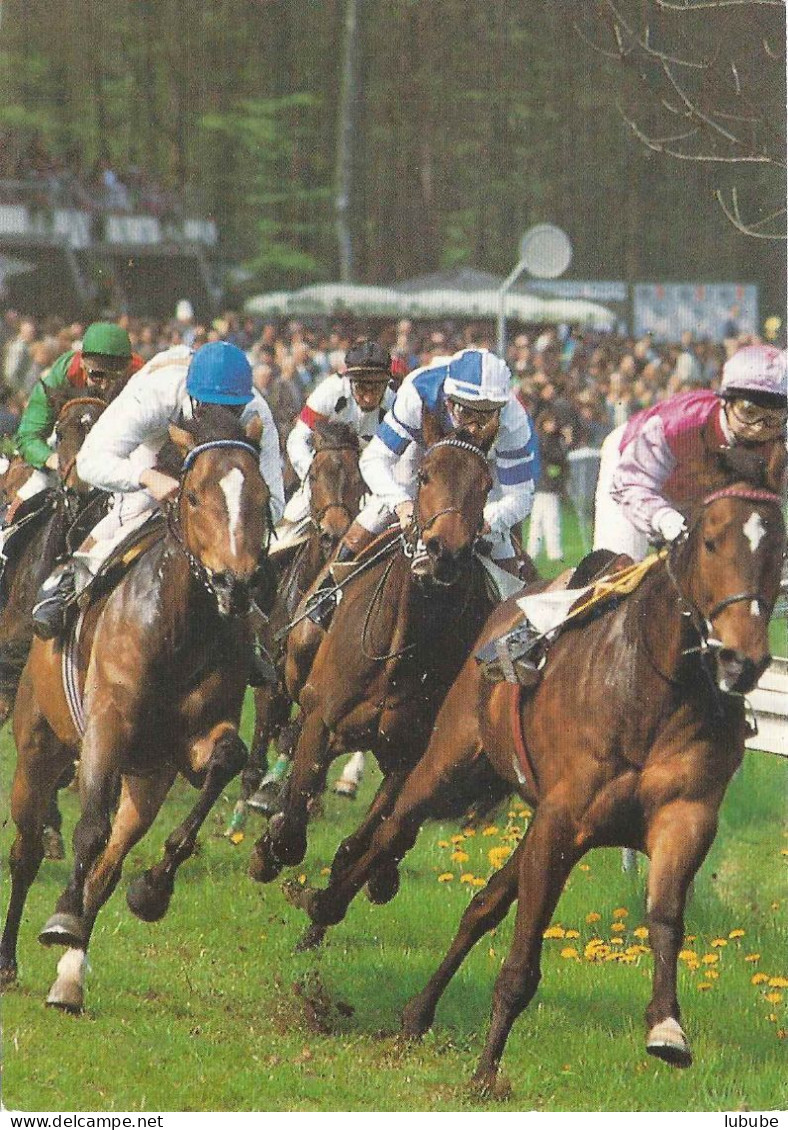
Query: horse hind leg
x=148 y=897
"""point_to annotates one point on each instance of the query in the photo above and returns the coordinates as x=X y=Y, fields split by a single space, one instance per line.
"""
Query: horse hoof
x=54 y=848
x=8 y=975
x=63 y=930
x=66 y=995
x=263 y=868
x=383 y=885
x=666 y=1041
x=311 y=939
x=415 y=1021
x=148 y=901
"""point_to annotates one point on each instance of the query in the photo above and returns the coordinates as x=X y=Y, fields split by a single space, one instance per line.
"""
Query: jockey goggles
x=749 y=413
x=465 y=414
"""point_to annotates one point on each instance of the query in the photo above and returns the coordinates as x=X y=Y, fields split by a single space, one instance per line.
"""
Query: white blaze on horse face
x=232 y=486
x=754 y=530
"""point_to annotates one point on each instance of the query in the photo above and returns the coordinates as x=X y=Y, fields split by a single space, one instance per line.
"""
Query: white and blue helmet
x=478 y=379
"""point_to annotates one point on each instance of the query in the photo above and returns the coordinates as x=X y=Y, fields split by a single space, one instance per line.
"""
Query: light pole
x=545 y=252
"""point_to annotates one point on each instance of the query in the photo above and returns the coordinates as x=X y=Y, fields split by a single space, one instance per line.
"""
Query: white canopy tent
x=333 y=299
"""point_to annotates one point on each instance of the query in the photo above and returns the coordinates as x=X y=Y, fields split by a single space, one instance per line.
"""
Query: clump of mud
x=319 y=1011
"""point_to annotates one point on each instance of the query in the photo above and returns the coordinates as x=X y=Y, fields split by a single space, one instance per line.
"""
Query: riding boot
x=323 y=603
x=55 y=597
x=516 y=657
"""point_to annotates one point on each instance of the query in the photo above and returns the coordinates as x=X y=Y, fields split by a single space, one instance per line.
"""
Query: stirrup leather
x=516 y=657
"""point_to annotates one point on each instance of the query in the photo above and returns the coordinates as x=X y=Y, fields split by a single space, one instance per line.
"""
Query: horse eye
x=709 y=544
x=191 y=498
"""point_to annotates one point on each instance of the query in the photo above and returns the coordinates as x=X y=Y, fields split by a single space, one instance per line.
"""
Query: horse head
x=75 y=416
x=732 y=560
x=453 y=483
x=221 y=516
x=335 y=482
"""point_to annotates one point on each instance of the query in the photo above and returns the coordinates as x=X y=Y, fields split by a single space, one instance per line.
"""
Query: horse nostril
x=434 y=548
x=727 y=655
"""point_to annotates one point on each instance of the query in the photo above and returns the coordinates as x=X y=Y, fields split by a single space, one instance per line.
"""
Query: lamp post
x=545 y=252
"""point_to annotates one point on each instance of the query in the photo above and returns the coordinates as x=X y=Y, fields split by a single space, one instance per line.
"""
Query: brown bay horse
x=630 y=739
x=50 y=524
x=335 y=491
x=395 y=645
x=162 y=666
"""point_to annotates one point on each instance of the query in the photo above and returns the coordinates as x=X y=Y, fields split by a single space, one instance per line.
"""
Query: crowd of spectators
x=588 y=382
x=33 y=175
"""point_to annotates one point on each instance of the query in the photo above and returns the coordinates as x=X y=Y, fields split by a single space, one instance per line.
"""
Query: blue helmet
x=219 y=373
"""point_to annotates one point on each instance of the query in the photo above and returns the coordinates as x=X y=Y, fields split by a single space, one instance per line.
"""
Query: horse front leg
x=485 y=911
x=140 y=801
x=284 y=841
x=546 y=856
x=221 y=756
x=40 y=762
x=677 y=840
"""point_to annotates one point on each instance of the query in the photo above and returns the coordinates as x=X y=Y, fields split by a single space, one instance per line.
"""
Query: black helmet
x=369 y=358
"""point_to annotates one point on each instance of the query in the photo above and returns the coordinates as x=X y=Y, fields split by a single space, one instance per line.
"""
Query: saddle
x=520 y=654
x=122 y=558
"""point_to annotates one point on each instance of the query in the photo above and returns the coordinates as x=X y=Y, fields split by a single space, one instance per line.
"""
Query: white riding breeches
x=127 y=513
x=612 y=529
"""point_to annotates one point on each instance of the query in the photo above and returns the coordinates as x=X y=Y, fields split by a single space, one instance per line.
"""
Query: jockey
x=469 y=391
x=669 y=454
x=120 y=452
x=105 y=360
x=359 y=397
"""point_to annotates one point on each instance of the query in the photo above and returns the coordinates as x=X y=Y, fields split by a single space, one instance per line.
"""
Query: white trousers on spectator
x=545 y=525
x=612 y=529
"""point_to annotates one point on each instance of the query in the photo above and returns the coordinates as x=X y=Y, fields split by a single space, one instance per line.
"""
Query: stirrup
x=322 y=605
x=516 y=657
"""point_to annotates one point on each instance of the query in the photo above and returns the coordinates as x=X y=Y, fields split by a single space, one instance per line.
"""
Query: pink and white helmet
x=756 y=369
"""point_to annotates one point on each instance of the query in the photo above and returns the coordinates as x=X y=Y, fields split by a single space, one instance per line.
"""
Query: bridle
x=418 y=529
x=703 y=621
x=206 y=577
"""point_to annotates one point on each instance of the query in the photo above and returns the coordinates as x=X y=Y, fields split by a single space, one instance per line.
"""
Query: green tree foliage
x=473 y=119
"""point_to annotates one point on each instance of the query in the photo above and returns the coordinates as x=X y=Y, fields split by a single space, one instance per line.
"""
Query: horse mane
x=334 y=433
x=214 y=422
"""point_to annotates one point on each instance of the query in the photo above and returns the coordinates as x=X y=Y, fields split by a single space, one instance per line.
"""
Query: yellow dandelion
x=710 y=958
x=773 y=998
x=498 y=855
x=491 y=952
x=593 y=917
x=782 y=1033
x=759 y=978
x=784 y=851
x=467 y=877
x=513 y=814
x=490 y=830
x=583 y=867
x=460 y=857
x=753 y=957
x=703 y=985
x=693 y=966
x=469 y=833
x=627 y=957
x=616 y=941
x=775 y=906
x=446 y=877
x=556 y=931
x=712 y=974
x=325 y=870
x=612 y=956
x=736 y=934
x=302 y=879
x=690 y=938
x=621 y=912
x=636 y=951
x=617 y=927
x=457 y=839
x=778 y=983
x=719 y=942
x=687 y=955
x=570 y=952
x=641 y=932
x=237 y=838
x=773 y=1017
x=572 y=934
x=444 y=843
x=479 y=882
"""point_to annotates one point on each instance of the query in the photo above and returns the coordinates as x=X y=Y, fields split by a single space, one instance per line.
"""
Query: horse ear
x=776 y=468
x=486 y=437
x=430 y=427
x=254 y=429
x=182 y=439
